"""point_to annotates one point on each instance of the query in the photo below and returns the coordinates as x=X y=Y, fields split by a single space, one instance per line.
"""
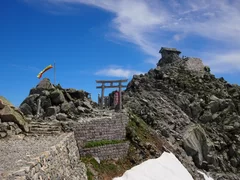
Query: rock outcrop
x=47 y=101
x=197 y=113
x=12 y=120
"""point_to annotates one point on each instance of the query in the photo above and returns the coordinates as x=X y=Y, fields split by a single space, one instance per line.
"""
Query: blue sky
x=108 y=39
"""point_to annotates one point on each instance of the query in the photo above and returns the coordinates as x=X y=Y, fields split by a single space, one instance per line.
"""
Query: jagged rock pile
x=12 y=121
x=196 y=112
x=47 y=101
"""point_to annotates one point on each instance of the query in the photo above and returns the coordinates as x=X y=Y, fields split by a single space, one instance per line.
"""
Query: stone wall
x=194 y=64
x=111 y=151
x=108 y=128
x=60 y=162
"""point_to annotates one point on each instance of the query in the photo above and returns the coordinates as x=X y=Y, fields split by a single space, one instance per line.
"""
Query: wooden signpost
x=111 y=85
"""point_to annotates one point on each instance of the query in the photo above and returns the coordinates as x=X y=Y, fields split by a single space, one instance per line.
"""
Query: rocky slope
x=196 y=113
x=49 y=102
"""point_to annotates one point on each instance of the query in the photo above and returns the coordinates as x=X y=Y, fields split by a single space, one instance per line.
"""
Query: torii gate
x=120 y=86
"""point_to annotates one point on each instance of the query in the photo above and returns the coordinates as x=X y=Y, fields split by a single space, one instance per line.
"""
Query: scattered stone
x=97 y=159
x=195 y=109
x=206 y=117
x=3 y=134
x=61 y=117
x=87 y=105
x=214 y=106
x=81 y=109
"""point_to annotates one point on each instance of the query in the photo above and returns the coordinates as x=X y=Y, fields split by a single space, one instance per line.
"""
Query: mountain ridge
x=193 y=110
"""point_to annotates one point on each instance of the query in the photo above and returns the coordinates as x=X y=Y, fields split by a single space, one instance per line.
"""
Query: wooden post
x=109 y=103
x=99 y=99
x=38 y=107
x=102 y=98
x=120 y=96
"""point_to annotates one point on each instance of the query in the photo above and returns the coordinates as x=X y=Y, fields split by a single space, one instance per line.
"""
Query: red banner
x=116 y=98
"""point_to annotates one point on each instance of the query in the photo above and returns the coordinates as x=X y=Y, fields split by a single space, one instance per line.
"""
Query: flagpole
x=54 y=73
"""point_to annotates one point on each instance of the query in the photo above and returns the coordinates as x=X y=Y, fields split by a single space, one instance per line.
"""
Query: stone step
x=45 y=128
x=44 y=125
x=44 y=133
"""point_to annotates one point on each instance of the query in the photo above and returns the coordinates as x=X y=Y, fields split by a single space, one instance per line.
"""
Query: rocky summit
x=49 y=102
x=195 y=112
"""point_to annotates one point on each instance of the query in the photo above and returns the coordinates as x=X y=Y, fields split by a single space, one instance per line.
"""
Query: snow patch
x=205 y=176
x=166 y=167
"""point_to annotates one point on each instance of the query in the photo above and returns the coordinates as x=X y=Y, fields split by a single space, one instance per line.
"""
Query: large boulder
x=31 y=101
x=65 y=107
x=57 y=97
x=196 y=144
x=73 y=109
x=45 y=102
x=45 y=84
x=26 y=109
x=52 y=111
x=67 y=96
x=61 y=117
x=196 y=109
x=206 y=117
x=11 y=114
x=43 y=87
x=76 y=94
x=87 y=105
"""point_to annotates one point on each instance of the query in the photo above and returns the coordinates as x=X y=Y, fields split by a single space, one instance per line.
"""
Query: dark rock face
x=169 y=59
x=56 y=103
x=194 y=111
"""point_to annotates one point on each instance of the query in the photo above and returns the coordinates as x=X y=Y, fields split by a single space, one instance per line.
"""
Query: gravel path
x=17 y=148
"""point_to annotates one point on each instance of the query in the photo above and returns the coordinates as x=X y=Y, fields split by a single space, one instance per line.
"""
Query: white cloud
x=145 y=23
x=224 y=63
x=118 y=72
x=178 y=37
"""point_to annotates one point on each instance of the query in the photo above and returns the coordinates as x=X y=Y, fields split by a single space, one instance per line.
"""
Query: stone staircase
x=43 y=128
x=109 y=128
